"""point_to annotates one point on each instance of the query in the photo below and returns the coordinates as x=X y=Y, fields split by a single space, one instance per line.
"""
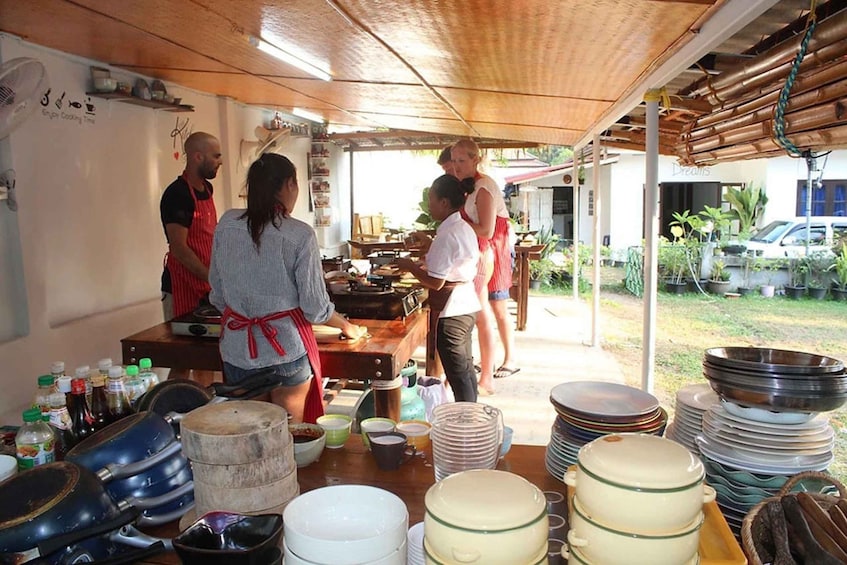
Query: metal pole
x=598 y=241
x=811 y=166
x=651 y=244
x=575 y=234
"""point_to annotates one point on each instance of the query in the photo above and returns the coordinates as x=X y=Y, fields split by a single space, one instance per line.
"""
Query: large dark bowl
x=769 y=360
x=834 y=383
x=227 y=538
x=770 y=399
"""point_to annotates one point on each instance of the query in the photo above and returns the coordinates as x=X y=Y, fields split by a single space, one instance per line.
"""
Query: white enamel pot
x=601 y=544
x=485 y=517
x=639 y=483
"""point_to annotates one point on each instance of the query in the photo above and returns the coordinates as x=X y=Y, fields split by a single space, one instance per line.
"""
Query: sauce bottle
x=46 y=386
x=34 y=441
x=81 y=421
x=99 y=403
x=119 y=406
x=60 y=421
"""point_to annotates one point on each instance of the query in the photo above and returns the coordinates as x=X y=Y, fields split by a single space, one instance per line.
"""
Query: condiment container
x=484 y=516
x=639 y=483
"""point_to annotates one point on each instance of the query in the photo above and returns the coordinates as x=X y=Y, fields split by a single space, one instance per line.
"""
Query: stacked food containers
x=638 y=501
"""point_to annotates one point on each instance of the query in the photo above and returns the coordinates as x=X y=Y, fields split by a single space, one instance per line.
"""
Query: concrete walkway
x=555 y=348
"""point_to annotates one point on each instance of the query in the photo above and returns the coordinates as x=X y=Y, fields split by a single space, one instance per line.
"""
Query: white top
x=490 y=185
x=453 y=257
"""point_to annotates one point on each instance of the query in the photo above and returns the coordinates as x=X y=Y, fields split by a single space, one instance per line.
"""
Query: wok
x=56 y=504
x=765 y=359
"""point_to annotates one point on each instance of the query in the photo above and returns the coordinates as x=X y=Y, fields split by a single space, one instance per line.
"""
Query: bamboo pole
x=827 y=31
x=828 y=138
x=813 y=60
x=814 y=117
x=823 y=79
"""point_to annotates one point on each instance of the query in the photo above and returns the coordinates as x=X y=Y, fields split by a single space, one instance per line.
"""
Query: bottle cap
x=64 y=384
x=46 y=380
x=32 y=415
x=57 y=367
x=82 y=372
x=104 y=364
x=45 y=417
x=57 y=399
x=98 y=380
x=145 y=363
x=132 y=370
x=78 y=386
x=116 y=372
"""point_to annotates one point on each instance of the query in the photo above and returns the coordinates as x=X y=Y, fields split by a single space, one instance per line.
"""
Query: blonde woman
x=486 y=212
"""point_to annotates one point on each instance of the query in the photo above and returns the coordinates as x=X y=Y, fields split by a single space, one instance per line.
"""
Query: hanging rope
x=782 y=103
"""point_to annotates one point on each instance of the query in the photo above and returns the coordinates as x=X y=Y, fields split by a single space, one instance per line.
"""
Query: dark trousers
x=454 y=347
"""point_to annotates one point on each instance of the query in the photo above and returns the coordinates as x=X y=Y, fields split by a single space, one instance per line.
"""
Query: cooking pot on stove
x=56 y=505
x=639 y=483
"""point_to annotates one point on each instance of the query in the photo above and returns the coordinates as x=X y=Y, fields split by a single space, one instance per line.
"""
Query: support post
x=598 y=241
x=651 y=245
x=575 y=235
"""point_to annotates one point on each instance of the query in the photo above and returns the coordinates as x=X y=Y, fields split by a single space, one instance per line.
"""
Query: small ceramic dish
x=309 y=443
x=228 y=538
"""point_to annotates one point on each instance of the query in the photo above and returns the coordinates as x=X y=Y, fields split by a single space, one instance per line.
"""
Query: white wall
x=783 y=174
x=91 y=240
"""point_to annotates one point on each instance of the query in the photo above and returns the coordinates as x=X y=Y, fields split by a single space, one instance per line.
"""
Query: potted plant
x=694 y=230
x=719 y=279
x=819 y=263
x=770 y=267
x=839 y=287
x=748 y=205
x=539 y=272
x=716 y=224
x=797 y=270
x=747 y=266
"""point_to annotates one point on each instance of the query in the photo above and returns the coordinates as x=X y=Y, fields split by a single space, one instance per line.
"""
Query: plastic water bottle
x=150 y=378
x=134 y=385
x=46 y=386
x=34 y=441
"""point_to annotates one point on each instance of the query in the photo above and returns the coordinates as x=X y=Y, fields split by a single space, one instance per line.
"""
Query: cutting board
x=326 y=334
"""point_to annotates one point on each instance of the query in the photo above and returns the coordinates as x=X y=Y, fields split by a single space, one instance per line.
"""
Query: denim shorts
x=292 y=373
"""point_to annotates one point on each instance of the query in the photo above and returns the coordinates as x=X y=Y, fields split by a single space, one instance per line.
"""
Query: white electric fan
x=22 y=83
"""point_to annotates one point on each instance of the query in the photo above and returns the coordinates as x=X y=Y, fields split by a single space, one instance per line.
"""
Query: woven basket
x=754 y=534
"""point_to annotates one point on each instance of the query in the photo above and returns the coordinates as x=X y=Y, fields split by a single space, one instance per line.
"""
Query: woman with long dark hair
x=267 y=279
x=451 y=265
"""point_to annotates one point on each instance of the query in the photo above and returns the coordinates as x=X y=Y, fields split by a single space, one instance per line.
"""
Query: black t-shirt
x=177 y=207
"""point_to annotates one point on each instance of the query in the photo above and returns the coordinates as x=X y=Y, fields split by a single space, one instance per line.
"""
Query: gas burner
x=207 y=312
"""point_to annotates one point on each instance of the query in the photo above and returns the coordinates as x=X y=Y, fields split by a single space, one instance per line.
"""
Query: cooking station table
x=379 y=357
x=523 y=254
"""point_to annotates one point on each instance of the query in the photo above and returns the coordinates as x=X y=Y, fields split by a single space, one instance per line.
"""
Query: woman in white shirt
x=451 y=265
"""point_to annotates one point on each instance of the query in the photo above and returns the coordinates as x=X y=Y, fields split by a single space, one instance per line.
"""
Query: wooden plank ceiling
x=537 y=71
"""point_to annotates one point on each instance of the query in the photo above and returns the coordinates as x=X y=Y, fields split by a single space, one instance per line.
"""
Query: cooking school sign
x=68 y=107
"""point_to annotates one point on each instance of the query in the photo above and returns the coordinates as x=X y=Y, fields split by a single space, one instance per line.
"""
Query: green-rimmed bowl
x=337 y=428
x=375 y=426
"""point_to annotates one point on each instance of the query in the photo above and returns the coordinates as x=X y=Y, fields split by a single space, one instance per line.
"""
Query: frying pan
x=58 y=501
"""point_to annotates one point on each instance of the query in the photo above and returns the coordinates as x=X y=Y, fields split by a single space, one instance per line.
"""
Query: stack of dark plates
x=776 y=379
x=588 y=410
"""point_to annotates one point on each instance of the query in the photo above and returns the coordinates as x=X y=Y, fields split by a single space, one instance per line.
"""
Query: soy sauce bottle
x=81 y=421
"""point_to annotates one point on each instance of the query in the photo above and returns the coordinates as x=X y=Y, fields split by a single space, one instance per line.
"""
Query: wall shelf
x=129 y=99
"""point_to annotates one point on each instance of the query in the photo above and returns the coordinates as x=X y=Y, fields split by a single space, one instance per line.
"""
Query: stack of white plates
x=692 y=402
x=414 y=545
x=759 y=448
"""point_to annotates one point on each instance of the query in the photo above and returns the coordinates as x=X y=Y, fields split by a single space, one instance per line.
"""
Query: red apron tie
x=232 y=320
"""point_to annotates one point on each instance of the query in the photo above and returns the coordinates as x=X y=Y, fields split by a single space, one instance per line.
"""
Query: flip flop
x=484 y=392
x=477 y=368
x=504 y=372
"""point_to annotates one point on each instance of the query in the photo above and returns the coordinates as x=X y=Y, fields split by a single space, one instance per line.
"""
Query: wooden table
x=379 y=357
x=354 y=465
x=523 y=254
x=365 y=248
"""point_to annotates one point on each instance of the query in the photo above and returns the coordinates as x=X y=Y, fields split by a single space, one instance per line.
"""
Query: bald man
x=189 y=219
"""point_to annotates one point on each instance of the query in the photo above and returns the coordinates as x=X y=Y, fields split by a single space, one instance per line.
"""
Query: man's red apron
x=232 y=320
x=187 y=289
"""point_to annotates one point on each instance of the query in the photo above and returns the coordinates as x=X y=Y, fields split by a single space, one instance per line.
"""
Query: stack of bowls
x=346 y=525
x=776 y=379
x=638 y=500
x=465 y=435
x=242 y=455
x=414 y=545
x=485 y=517
x=587 y=410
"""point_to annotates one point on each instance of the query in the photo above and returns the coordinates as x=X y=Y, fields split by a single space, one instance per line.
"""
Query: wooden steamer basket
x=753 y=528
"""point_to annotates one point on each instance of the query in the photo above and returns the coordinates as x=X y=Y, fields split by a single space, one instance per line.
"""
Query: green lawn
x=688 y=324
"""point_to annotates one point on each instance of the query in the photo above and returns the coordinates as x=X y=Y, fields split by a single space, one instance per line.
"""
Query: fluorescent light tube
x=308 y=115
x=287 y=57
